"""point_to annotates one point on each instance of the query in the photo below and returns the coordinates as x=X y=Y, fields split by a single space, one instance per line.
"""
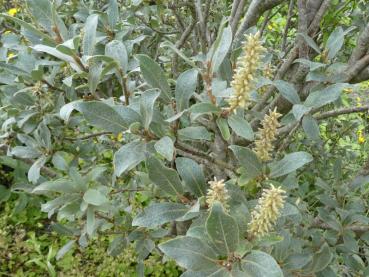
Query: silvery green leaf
x=222 y=230
x=147 y=102
x=34 y=171
x=113 y=13
x=241 y=127
x=95 y=197
x=185 y=88
x=260 y=264
x=194 y=133
x=117 y=50
x=190 y=253
x=89 y=38
x=94 y=75
x=221 y=47
x=154 y=75
x=311 y=128
x=247 y=159
x=165 y=178
x=157 y=214
x=65 y=249
x=90 y=221
x=128 y=157
x=192 y=175
x=288 y=91
x=165 y=147
x=325 y=96
x=289 y=163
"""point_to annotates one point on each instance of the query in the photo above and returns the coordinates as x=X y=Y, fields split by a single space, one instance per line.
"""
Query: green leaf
x=65 y=249
x=190 y=253
x=154 y=75
x=310 y=42
x=31 y=29
x=297 y=261
x=94 y=197
x=102 y=115
x=185 y=88
x=222 y=230
x=321 y=259
x=117 y=246
x=260 y=264
x=311 y=127
x=288 y=91
x=54 y=52
x=241 y=127
x=42 y=12
x=248 y=159
x=289 y=163
x=159 y=213
x=147 y=102
x=89 y=38
x=192 y=175
x=113 y=13
x=312 y=65
x=165 y=147
x=5 y=194
x=90 y=221
x=325 y=96
x=336 y=40
x=222 y=45
x=222 y=124
x=299 y=111
x=128 y=157
x=34 y=170
x=194 y=133
x=60 y=185
x=117 y=50
x=166 y=179
x=94 y=75
x=201 y=108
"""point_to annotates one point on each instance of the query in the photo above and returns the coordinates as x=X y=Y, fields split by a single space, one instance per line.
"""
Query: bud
x=217 y=192
x=266 y=212
x=267 y=135
x=247 y=65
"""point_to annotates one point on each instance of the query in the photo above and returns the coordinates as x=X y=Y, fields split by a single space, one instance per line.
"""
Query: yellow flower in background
x=120 y=137
x=10 y=55
x=360 y=137
x=358 y=100
x=12 y=11
x=348 y=90
x=7 y=32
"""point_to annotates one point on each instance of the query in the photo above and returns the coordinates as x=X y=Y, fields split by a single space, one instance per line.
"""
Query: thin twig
x=288 y=23
x=89 y=136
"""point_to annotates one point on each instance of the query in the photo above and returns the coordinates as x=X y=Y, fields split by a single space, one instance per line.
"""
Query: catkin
x=267 y=135
x=266 y=212
x=217 y=192
x=243 y=79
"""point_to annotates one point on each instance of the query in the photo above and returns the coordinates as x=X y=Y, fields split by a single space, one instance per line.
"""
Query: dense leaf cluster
x=115 y=115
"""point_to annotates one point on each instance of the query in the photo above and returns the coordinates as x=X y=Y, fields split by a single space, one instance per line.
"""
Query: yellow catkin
x=247 y=65
x=267 y=135
x=266 y=212
x=217 y=192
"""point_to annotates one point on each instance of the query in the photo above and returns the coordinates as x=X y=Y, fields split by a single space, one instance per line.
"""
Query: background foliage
x=115 y=116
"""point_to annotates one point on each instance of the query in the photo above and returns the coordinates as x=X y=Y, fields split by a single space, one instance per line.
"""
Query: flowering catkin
x=267 y=135
x=247 y=65
x=266 y=212
x=217 y=192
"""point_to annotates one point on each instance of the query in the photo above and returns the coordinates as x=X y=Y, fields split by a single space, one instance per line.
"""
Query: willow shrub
x=161 y=125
